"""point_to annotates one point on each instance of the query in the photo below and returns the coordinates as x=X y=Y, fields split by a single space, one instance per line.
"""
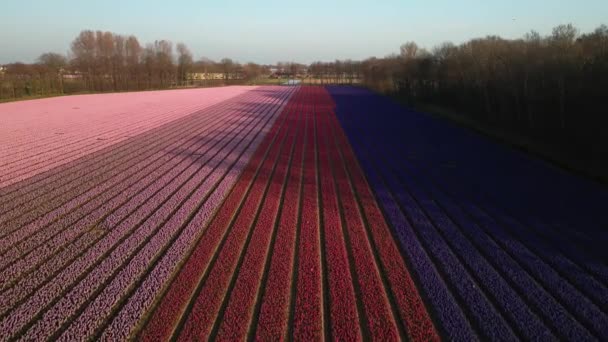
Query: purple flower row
x=488 y=270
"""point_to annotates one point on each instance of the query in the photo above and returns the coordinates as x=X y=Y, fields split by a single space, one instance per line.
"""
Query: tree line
x=101 y=61
x=550 y=89
x=338 y=72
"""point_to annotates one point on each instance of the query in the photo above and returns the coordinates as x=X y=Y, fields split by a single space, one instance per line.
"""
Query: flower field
x=234 y=213
x=80 y=239
x=39 y=135
x=503 y=247
x=285 y=212
x=293 y=251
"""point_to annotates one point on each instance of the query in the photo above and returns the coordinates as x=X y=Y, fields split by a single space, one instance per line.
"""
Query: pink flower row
x=168 y=182
x=140 y=246
x=41 y=134
x=125 y=199
x=52 y=185
x=62 y=208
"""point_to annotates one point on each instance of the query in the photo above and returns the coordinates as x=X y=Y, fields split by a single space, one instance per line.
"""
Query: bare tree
x=133 y=55
x=54 y=64
x=84 y=51
x=409 y=50
x=184 y=63
x=164 y=59
x=252 y=71
x=119 y=63
x=104 y=53
x=227 y=67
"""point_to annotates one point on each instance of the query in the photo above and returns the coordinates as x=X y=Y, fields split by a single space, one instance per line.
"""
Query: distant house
x=2 y=70
x=205 y=76
x=74 y=75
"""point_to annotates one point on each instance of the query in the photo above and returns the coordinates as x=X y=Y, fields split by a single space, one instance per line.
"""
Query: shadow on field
x=513 y=198
x=270 y=93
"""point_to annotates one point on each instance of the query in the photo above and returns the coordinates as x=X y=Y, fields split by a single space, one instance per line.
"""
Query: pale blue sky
x=269 y=31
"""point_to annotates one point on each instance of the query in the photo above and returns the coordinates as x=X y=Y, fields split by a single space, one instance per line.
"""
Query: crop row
x=61 y=148
x=111 y=161
x=66 y=133
x=175 y=152
x=547 y=306
x=41 y=118
x=206 y=306
x=274 y=302
x=110 y=216
x=134 y=217
x=170 y=309
x=265 y=272
x=144 y=291
x=308 y=310
x=50 y=181
x=54 y=122
x=104 y=191
x=129 y=259
x=142 y=300
x=107 y=204
x=407 y=305
x=484 y=271
x=343 y=315
x=240 y=305
x=248 y=219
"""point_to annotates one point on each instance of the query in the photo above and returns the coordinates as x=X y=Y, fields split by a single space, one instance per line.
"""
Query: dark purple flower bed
x=503 y=246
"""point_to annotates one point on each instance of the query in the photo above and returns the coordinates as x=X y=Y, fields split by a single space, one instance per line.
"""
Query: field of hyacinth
x=286 y=212
x=503 y=246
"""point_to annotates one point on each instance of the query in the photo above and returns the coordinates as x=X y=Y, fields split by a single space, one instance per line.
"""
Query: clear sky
x=269 y=31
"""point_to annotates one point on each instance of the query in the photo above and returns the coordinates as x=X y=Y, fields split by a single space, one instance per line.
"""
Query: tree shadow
x=531 y=209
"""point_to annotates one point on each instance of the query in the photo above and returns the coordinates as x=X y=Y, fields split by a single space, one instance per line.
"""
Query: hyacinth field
x=503 y=246
x=286 y=212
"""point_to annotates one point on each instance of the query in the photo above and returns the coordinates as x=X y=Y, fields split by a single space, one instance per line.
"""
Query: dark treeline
x=551 y=90
x=340 y=72
x=104 y=61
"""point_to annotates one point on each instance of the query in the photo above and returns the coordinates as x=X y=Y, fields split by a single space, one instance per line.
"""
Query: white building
x=206 y=76
x=214 y=76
